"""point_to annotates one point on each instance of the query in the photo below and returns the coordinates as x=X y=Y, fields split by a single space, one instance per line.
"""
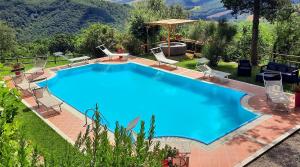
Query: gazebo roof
x=171 y=22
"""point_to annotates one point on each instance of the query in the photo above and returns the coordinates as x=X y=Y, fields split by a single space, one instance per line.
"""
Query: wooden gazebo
x=170 y=24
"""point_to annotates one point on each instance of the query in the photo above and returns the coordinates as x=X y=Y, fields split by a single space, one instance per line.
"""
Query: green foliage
x=97 y=150
x=37 y=19
x=62 y=43
x=287 y=32
x=218 y=36
x=267 y=7
x=14 y=150
x=7 y=39
x=258 y=8
x=95 y=35
x=240 y=47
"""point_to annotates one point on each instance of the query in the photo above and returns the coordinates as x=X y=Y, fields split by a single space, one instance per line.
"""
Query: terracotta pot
x=165 y=163
x=297 y=99
x=120 y=50
x=18 y=72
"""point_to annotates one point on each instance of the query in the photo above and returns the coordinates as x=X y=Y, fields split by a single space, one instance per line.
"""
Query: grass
x=48 y=142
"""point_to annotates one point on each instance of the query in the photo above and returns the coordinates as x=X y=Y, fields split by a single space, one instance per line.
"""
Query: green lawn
x=49 y=143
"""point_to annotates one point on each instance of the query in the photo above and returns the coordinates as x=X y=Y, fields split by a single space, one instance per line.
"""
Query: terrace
x=244 y=144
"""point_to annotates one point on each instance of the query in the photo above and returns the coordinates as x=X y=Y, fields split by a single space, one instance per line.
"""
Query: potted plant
x=120 y=49
x=297 y=95
x=178 y=37
x=170 y=153
x=17 y=68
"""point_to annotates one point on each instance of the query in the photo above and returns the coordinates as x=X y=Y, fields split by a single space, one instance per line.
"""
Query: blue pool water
x=182 y=107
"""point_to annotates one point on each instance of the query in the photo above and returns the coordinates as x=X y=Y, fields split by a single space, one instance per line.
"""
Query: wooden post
x=169 y=40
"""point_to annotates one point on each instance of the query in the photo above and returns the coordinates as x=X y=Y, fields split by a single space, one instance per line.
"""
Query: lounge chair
x=130 y=127
x=275 y=93
x=39 y=66
x=44 y=97
x=74 y=60
x=110 y=54
x=207 y=71
x=22 y=83
x=161 y=58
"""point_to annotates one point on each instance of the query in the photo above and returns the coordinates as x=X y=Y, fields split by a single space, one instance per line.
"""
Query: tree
x=61 y=43
x=95 y=35
x=7 y=39
x=259 y=8
x=287 y=30
x=218 y=37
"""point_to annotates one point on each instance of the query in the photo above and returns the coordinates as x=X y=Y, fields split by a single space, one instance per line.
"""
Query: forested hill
x=201 y=9
x=35 y=19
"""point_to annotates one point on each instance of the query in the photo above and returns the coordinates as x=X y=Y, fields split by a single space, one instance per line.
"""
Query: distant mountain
x=198 y=8
x=35 y=19
x=202 y=9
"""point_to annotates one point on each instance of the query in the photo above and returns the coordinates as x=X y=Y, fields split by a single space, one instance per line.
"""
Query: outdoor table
x=268 y=76
x=57 y=54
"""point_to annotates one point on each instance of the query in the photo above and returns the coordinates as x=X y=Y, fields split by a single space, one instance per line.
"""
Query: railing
x=32 y=59
x=291 y=60
x=94 y=110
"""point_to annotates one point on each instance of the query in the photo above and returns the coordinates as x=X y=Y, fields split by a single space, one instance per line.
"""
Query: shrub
x=95 y=35
x=217 y=38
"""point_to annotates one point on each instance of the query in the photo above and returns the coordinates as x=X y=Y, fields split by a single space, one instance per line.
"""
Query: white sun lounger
x=130 y=127
x=72 y=60
x=207 y=71
x=275 y=93
x=77 y=59
x=161 y=58
x=44 y=97
x=110 y=54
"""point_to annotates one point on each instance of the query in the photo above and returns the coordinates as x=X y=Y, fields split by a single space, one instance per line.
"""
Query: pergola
x=170 y=24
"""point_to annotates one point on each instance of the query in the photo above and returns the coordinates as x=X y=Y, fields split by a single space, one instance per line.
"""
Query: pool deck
x=236 y=149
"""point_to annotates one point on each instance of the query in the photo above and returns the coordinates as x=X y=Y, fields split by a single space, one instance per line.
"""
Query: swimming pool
x=183 y=107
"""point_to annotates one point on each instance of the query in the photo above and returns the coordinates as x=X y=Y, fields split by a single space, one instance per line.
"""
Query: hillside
x=199 y=9
x=202 y=9
x=34 y=19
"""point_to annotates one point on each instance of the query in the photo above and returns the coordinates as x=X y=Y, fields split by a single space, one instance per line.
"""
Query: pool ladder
x=94 y=110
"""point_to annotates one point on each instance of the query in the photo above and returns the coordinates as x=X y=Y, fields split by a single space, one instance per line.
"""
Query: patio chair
x=244 y=68
x=161 y=58
x=110 y=54
x=74 y=60
x=44 y=97
x=207 y=71
x=39 y=65
x=275 y=93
